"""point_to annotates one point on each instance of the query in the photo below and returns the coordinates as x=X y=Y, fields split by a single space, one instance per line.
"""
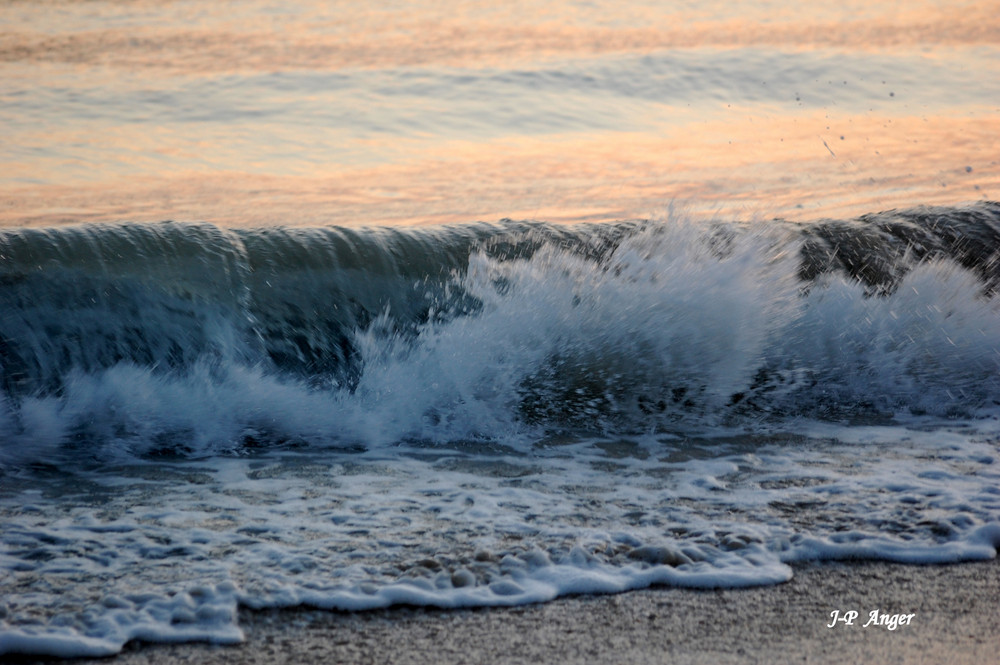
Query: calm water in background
x=348 y=113
x=336 y=379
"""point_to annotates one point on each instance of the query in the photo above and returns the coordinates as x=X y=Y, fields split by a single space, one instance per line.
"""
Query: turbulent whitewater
x=197 y=417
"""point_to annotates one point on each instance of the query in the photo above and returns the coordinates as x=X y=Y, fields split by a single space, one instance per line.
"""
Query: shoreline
x=955 y=608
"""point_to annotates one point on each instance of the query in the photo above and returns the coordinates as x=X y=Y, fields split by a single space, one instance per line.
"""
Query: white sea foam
x=201 y=614
x=931 y=346
x=566 y=338
x=164 y=551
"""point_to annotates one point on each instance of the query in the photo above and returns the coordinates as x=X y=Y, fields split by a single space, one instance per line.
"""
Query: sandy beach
x=954 y=607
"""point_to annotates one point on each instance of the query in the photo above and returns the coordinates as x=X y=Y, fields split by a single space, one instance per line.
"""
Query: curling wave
x=188 y=338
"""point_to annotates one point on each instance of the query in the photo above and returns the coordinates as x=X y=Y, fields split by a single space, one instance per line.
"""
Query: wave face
x=187 y=338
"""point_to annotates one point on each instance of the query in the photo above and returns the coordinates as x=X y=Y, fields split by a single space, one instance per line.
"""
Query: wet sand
x=956 y=619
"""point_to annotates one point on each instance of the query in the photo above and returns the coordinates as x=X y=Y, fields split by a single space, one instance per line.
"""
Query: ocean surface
x=319 y=304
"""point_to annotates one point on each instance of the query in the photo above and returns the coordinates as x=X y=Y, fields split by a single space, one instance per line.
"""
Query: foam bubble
x=202 y=614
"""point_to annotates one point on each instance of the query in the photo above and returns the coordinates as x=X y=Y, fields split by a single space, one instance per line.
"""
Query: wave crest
x=170 y=339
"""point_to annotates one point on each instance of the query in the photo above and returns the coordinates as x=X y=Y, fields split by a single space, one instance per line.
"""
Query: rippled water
x=305 y=113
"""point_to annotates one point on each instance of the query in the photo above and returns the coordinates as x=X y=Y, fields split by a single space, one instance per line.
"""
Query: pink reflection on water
x=256 y=35
x=758 y=161
x=796 y=168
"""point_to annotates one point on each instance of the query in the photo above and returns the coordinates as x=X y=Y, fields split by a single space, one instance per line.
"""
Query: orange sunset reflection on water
x=799 y=169
x=148 y=111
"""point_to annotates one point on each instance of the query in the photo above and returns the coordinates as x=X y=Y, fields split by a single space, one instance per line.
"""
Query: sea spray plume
x=932 y=345
x=669 y=324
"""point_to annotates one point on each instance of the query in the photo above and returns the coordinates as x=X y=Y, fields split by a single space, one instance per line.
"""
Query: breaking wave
x=193 y=339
